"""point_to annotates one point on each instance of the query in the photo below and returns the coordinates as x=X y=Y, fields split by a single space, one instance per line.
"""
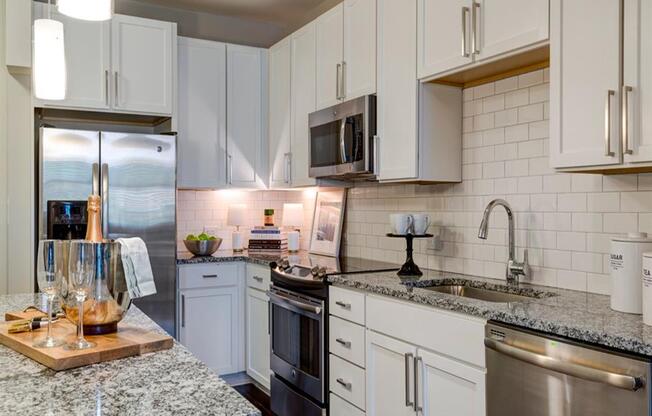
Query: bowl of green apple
x=202 y=244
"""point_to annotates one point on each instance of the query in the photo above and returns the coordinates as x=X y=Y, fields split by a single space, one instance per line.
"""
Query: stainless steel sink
x=477 y=293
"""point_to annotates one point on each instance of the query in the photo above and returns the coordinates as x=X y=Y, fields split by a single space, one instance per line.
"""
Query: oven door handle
x=621 y=381
x=293 y=304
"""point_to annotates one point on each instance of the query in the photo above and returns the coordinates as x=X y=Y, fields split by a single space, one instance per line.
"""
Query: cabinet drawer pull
x=209 y=276
x=416 y=408
x=117 y=88
x=408 y=358
x=626 y=90
x=106 y=87
x=344 y=384
x=607 y=124
x=346 y=344
x=183 y=311
x=343 y=305
x=258 y=279
x=476 y=20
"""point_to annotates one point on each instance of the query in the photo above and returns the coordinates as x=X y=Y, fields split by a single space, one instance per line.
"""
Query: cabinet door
x=397 y=90
x=584 y=103
x=507 y=25
x=303 y=102
x=246 y=76
x=390 y=376
x=257 y=341
x=280 y=79
x=202 y=114
x=210 y=325
x=88 y=61
x=448 y=387
x=637 y=83
x=444 y=35
x=359 y=48
x=329 y=40
x=142 y=64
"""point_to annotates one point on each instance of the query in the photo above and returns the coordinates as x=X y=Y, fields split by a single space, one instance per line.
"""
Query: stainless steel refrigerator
x=135 y=174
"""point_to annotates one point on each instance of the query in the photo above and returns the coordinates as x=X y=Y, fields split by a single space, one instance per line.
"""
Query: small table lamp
x=235 y=218
x=293 y=218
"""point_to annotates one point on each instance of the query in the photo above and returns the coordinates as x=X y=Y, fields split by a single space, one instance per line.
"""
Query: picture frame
x=327 y=222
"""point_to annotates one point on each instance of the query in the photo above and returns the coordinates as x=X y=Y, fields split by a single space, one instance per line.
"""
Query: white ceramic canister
x=625 y=264
x=647 y=288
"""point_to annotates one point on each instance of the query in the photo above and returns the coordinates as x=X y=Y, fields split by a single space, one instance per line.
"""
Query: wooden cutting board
x=127 y=342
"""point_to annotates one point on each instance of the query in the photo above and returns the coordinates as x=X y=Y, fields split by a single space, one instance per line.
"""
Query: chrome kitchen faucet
x=514 y=268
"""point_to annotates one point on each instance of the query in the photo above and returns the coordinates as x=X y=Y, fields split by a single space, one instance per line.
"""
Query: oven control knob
x=285 y=264
x=322 y=272
x=314 y=271
x=294 y=373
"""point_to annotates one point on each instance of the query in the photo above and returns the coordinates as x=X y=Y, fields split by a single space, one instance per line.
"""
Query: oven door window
x=337 y=142
x=296 y=340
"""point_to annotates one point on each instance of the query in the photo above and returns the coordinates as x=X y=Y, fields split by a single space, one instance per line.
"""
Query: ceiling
x=289 y=14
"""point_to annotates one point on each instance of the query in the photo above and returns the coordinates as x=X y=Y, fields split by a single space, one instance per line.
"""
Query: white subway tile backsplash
x=566 y=221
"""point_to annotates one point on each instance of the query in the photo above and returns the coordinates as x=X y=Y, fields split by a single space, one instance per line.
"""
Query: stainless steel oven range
x=298 y=334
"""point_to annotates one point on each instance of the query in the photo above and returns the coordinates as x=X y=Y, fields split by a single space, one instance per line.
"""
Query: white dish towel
x=137 y=267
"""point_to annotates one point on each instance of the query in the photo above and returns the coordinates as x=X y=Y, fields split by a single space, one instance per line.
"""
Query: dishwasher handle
x=622 y=381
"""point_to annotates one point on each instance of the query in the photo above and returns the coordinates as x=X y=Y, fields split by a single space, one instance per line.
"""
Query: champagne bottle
x=94 y=221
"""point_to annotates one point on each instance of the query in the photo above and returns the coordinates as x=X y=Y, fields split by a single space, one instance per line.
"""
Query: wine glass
x=49 y=274
x=81 y=274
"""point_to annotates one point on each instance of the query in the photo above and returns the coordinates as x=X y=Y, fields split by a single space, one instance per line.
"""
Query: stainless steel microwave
x=342 y=140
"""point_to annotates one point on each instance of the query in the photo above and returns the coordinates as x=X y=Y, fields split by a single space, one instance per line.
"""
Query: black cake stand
x=409 y=268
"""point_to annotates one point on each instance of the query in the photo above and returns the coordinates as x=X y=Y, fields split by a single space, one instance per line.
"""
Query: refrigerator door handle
x=105 y=200
x=96 y=179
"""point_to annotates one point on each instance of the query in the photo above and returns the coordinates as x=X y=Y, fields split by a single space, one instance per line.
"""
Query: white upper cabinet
x=201 y=140
x=303 y=102
x=507 y=25
x=329 y=42
x=142 y=64
x=246 y=116
x=443 y=35
x=454 y=34
x=584 y=103
x=637 y=81
x=280 y=128
x=346 y=52
x=359 y=66
x=88 y=59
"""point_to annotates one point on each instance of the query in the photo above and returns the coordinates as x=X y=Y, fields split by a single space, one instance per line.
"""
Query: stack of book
x=269 y=241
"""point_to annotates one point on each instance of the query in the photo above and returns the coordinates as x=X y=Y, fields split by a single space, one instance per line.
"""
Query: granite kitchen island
x=162 y=383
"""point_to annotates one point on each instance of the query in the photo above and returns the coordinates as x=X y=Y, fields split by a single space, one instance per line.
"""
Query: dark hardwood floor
x=256 y=396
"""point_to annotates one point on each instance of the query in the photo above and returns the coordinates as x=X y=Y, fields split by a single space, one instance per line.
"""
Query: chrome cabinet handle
x=343 y=81
x=344 y=384
x=116 y=88
x=607 y=124
x=622 y=381
x=465 y=17
x=338 y=76
x=345 y=344
x=183 y=311
x=408 y=358
x=229 y=173
x=625 y=123
x=376 y=155
x=105 y=199
x=286 y=168
x=476 y=20
x=343 y=305
x=106 y=87
x=416 y=407
x=209 y=276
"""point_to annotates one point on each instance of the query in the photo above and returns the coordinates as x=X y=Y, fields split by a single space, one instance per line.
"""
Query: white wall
x=3 y=155
x=565 y=220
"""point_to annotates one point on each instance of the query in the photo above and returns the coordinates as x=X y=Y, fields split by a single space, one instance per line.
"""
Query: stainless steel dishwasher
x=536 y=375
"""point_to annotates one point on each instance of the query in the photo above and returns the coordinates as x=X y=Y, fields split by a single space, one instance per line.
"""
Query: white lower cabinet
x=211 y=314
x=257 y=311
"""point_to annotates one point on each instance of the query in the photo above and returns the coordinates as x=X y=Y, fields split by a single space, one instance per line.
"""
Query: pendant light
x=49 y=72
x=95 y=10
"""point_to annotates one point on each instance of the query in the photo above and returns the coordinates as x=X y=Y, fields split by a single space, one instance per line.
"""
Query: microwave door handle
x=342 y=142
x=622 y=381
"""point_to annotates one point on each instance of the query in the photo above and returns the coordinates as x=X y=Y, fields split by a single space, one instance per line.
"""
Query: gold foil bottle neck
x=94 y=219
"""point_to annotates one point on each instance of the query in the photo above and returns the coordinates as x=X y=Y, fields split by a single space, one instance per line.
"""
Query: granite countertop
x=576 y=315
x=170 y=382
x=185 y=257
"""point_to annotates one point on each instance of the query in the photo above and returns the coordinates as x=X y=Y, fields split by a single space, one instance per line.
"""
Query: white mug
x=421 y=222
x=401 y=223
